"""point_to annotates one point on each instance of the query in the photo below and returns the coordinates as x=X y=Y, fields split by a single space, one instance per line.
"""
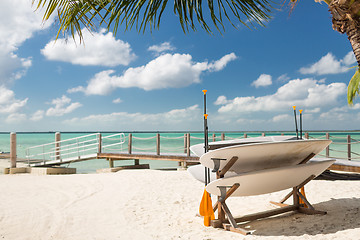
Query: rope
x=196 y=137
x=173 y=149
x=337 y=150
x=338 y=137
x=144 y=149
x=317 y=137
x=143 y=138
x=355 y=153
x=172 y=137
x=339 y=143
x=354 y=141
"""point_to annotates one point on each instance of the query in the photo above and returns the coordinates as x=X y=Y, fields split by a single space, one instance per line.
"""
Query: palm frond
x=73 y=15
x=353 y=87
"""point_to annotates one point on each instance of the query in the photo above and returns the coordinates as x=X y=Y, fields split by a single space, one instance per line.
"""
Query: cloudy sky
x=153 y=81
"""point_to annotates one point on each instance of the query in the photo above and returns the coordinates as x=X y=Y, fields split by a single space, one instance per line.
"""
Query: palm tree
x=143 y=14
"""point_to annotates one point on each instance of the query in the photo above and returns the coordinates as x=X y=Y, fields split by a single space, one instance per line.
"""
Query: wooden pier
x=97 y=146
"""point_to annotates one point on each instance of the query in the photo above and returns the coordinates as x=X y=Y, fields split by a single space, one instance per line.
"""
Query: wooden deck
x=183 y=159
x=148 y=156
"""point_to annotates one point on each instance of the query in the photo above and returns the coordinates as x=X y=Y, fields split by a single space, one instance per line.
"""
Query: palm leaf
x=353 y=87
x=73 y=15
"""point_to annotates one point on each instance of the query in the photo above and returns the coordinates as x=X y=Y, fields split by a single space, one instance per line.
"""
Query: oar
x=300 y=123
x=206 y=208
x=297 y=134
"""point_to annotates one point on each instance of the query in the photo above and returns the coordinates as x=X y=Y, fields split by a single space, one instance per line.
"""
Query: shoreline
x=152 y=204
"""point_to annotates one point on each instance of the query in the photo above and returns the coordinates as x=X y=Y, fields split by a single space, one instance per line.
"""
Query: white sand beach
x=150 y=204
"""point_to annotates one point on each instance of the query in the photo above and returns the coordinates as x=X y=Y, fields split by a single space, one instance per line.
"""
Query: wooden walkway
x=183 y=159
x=111 y=157
x=100 y=147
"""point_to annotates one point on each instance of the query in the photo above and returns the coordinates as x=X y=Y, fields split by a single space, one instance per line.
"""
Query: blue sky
x=154 y=81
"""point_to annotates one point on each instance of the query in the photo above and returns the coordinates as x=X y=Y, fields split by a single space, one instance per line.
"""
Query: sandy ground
x=150 y=204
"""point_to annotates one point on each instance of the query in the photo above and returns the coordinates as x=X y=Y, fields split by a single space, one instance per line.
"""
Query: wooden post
x=188 y=144
x=130 y=143
x=13 y=150
x=327 y=148
x=263 y=134
x=111 y=162
x=57 y=145
x=158 y=143
x=245 y=135
x=185 y=143
x=349 y=147
x=100 y=143
x=222 y=136
x=306 y=135
x=214 y=137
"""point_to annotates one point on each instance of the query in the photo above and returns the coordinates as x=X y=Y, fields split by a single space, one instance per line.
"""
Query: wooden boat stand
x=228 y=222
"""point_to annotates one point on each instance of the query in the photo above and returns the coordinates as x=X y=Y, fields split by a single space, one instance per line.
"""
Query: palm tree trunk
x=353 y=34
x=345 y=19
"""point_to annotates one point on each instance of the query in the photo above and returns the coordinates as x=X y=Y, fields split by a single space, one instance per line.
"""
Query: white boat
x=264 y=155
x=269 y=180
x=199 y=149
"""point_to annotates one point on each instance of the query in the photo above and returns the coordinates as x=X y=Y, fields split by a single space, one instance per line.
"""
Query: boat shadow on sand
x=342 y=214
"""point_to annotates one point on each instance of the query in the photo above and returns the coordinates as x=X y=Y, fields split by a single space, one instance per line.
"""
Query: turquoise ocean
x=171 y=142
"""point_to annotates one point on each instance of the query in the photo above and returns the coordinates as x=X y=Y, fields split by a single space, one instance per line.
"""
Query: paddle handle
x=296 y=126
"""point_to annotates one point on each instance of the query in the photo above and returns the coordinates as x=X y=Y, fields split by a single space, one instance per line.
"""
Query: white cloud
x=100 y=49
x=16 y=118
x=281 y=118
x=165 y=71
x=139 y=121
x=19 y=23
x=349 y=59
x=8 y=102
x=222 y=62
x=299 y=92
x=314 y=110
x=38 y=115
x=283 y=78
x=355 y=106
x=165 y=46
x=263 y=81
x=117 y=100
x=63 y=106
x=221 y=100
x=329 y=65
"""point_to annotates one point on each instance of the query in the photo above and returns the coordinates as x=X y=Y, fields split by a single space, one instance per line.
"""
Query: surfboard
x=258 y=156
x=199 y=150
x=269 y=180
x=198 y=172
